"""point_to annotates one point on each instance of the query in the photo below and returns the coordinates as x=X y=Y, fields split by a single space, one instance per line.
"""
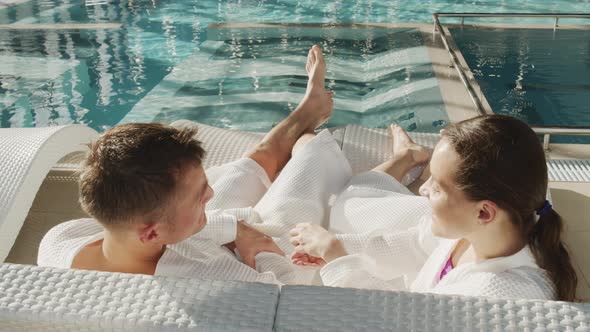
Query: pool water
x=166 y=63
x=250 y=83
x=537 y=75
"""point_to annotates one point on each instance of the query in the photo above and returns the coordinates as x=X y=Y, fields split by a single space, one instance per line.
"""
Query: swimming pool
x=537 y=75
x=141 y=71
x=250 y=78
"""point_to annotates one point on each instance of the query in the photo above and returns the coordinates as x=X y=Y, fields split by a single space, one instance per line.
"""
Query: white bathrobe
x=396 y=249
x=242 y=190
x=387 y=232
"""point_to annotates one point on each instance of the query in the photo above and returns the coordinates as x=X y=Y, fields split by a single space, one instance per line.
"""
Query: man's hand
x=249 y=242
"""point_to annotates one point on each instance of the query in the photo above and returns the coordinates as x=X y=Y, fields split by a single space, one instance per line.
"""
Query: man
x=155 y=213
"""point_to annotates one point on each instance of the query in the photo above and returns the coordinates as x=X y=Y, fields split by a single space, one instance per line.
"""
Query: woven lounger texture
x=74 y=300
x=33 y=298
x=27 y=156
x=311 y=308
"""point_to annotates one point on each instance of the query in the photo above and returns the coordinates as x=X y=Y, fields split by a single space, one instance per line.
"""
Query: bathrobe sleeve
x=220 y=228
x=270 y=268
x=222 y=225
x=282 y=268
x=202 y=258
x=381 y=261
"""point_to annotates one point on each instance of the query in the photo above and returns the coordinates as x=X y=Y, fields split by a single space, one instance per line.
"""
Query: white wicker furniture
x=33 y=298
x=312 y=308
x=27 y=156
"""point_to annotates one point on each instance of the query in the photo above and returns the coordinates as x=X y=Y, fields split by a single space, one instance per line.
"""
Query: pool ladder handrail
x=546 y=131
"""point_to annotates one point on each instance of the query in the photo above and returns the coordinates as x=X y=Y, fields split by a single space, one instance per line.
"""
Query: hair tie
x=544 y=209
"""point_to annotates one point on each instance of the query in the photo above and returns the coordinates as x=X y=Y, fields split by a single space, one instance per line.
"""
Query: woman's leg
x=405 y=155
x=377 y=199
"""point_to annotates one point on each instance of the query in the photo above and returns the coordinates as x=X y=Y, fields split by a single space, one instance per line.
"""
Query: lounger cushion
x=76 y=300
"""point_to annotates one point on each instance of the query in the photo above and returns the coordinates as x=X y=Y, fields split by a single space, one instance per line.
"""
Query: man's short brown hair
x=132 y=170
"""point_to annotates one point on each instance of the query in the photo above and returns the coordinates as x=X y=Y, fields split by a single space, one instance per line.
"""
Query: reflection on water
x=284 y=11
x=80 y=76
x=93 y=76
x=99 y=76
x=249 y=78
x=537 y=75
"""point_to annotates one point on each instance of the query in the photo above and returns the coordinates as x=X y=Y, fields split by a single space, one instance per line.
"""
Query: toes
x=400 y=132
x=310 y=61
x=317 y=51
x=311 y=57
x=392 y=129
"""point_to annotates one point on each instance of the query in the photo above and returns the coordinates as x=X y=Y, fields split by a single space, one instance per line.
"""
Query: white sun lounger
x=33 y=298
x=27 y=155
x=312 y=308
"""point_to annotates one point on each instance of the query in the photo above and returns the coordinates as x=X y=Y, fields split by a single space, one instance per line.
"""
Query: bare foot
x=274 y=150
x=317 y=104
x=405 y=149
x=315 y=67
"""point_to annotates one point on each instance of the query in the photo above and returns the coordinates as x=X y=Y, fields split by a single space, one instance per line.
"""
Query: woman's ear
x=487 y=212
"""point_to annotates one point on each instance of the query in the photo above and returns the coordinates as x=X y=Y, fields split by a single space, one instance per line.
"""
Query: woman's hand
x=314 y=242
x=250 y=242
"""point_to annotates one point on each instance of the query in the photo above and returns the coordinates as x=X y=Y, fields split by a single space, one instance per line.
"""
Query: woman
x=497 y=234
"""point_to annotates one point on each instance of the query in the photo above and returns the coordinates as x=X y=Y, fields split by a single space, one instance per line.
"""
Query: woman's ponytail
x=503 y=161
x=552 y=255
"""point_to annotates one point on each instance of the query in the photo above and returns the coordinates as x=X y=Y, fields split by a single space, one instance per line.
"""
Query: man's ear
x=148 y=233
x=487 y=212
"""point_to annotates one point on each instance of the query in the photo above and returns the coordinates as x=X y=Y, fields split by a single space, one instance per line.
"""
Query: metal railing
x=555 y=16
x=546 y=131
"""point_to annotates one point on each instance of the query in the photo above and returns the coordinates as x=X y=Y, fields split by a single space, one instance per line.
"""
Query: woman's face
x=454 y=216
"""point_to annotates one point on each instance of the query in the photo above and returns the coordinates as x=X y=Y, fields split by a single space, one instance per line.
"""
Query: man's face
x=187 y=210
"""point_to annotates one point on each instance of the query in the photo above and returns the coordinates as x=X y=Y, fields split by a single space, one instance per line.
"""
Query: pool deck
x=7 y=3
x=67 y=26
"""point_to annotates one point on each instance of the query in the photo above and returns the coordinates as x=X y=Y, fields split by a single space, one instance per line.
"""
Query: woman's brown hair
x=502 y=160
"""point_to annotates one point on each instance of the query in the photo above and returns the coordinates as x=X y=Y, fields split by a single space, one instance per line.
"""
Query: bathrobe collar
x=428 y=277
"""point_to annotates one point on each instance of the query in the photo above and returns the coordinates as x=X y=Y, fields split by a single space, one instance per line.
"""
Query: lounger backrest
x=27 y=156
x=312 y=308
